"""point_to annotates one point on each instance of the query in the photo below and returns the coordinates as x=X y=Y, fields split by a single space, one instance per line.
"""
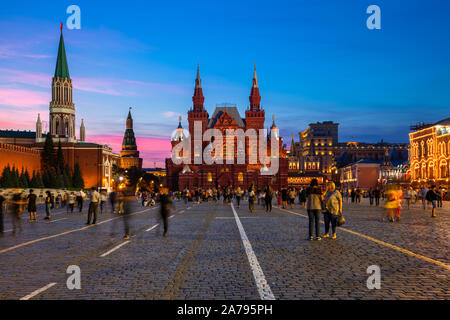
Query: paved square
x=213 y=252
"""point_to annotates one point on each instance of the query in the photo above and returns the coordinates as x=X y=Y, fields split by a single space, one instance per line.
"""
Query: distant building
x=430 y=154
x=129 y=155
x=320 y=153
x=363 y=174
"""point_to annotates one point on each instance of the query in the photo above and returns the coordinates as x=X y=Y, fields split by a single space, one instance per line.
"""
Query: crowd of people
x=315 y=200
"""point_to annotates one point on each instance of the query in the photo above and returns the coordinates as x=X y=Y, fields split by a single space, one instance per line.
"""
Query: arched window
x=210 y=177
x=241 y=177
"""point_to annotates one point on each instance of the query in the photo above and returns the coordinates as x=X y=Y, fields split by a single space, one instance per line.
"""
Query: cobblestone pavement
x=206 y=255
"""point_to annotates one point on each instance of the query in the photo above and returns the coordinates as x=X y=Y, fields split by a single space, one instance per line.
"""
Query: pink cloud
x=23 y=98
x=151 y=149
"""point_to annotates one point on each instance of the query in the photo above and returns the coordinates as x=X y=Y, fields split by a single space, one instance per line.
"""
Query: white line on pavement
x=64 y=233
x=58 y=220
x=148 y=230
x=383 y=243
x=261 y=283
x=35 y=293
x=114 y=249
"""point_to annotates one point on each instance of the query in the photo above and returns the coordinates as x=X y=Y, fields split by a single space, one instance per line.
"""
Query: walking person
x=48 y=205
x=251 y=199
x=127 y=202
x=238 y=197
x=284 y=197
x=93 y=206
x=112 y=200
x=377 y=195
x=302 y=197
x=17 y=204
x=279 y=199
x=314 y=207
x=432 y=196
x=371 y=196
x=71 y=200
x=32 y=206
x=408 y=196
x=391 y=204
x=333 y=206
x=423 y=194
x=166 y=205
x=268 y=199
x=292 y=196
x=103 y=198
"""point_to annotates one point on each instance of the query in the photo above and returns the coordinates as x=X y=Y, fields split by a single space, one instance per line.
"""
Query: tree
x=39 y=182
x=48 y=155
x=5 y=180
x=60 y=158
x=67 y=177
x=77 y=179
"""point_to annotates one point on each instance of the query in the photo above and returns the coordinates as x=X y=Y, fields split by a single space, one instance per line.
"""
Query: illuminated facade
x=233 y=175
x=320 y=153
x=429 y=153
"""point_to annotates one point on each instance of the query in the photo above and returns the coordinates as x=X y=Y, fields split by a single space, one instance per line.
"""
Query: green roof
x=62 y=69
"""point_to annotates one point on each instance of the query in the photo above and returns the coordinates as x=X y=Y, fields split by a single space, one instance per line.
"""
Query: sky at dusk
x=316 y=61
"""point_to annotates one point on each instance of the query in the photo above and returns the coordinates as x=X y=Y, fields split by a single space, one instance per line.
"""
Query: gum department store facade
x=23 y=149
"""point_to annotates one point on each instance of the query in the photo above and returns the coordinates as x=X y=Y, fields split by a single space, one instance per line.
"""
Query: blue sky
x=316 y=61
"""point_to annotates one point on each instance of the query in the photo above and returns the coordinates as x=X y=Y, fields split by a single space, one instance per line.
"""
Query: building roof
x=231 y=111
x=11 y=134
x=445 y=122
x=62 y=69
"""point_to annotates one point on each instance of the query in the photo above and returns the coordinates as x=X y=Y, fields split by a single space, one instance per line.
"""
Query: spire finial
x=255 y=78
x=180 y=118
x=61 y=26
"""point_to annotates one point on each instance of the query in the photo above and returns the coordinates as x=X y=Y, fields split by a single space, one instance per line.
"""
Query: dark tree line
x=56 y=173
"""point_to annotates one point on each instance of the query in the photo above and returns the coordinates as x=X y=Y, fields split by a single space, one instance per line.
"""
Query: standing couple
x=330 y=203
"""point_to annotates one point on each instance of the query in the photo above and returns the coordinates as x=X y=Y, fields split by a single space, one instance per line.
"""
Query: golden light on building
x=430 y=153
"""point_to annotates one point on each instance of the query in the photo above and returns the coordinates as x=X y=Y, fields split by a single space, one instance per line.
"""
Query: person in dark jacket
x=268 y=199
x=166 y=205
x=432 y=196
x=32 y=206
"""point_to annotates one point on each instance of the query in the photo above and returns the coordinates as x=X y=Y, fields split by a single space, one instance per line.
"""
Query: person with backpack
x=238 y=196
x=292 y=196
x=333 y=209
x=432 y=196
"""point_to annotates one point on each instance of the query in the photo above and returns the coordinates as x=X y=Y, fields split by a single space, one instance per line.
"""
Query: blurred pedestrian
x=48 y=205
x=166 y=205
x=17 y=203
x=93 y=206
x=251 y=199
x=71 y=200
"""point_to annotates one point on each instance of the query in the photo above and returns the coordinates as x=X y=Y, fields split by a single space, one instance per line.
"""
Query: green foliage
x=48 y=155
x=77 y=178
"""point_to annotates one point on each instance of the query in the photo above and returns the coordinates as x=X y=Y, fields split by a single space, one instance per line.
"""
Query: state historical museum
x=205 y=176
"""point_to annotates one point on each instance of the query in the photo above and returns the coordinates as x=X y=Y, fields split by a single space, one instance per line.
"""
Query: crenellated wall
x=19 y=157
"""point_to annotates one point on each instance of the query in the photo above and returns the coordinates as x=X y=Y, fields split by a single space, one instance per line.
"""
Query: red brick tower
x=255 y=116
x=198 y=113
